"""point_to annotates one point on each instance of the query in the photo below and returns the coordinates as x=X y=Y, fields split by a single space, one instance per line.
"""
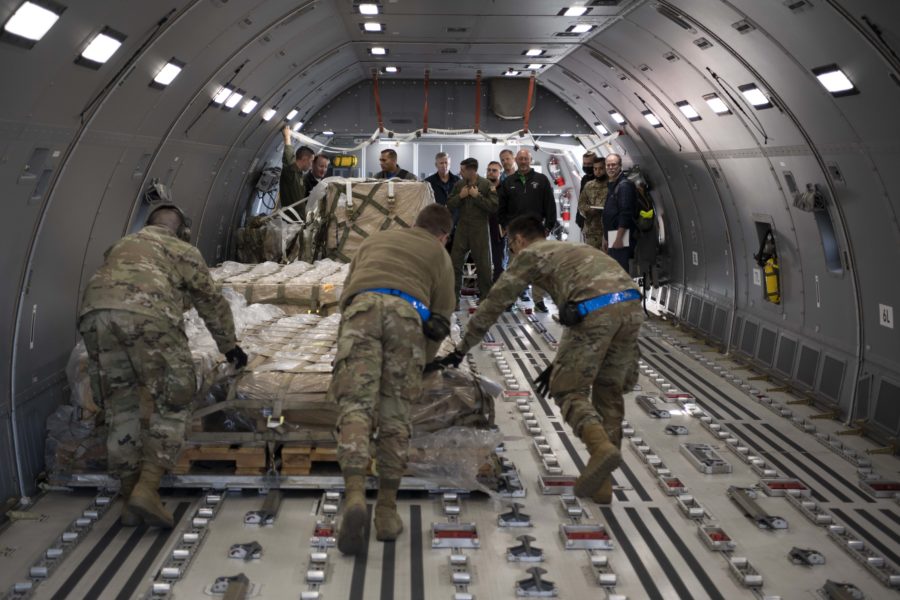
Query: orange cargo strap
x=377 y=101
x=528 y=102
x=477 y=100
x=425 y=112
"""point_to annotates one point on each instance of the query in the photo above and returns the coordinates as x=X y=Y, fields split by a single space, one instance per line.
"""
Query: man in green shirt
x=294 y=166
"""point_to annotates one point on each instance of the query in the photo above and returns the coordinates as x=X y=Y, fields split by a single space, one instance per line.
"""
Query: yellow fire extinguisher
x=773 y=289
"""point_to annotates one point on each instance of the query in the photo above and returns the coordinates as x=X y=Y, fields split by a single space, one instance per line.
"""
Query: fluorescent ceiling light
x=603 y=130
x=534 y=67
x=391 y=69
x=368 y=9
x=233 y=99
x=565 y=135
x=534 y=52
x=580 y=28
x=291 y=114
x=101 y=48
x=688 y=111
x=267 y=116
x=511 y=73
x=575 y=11
x=297 y=126
x=328 y=132
x=222 y=95
x=834 y=80
x=31 y=21
x=249 y=105
x=370 y=26
x=168 y=73
x=755 y=96
x=617 y=117
x=651 y=118
x=717 y=105
x=378 y=51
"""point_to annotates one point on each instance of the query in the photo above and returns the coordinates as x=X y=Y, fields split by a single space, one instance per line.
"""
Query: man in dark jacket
x=316 y=173
x=442 y=182
x=527 y=192
x=618 y=213
x=389 y=167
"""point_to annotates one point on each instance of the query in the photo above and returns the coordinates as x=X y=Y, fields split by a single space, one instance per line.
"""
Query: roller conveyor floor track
x=673 y=530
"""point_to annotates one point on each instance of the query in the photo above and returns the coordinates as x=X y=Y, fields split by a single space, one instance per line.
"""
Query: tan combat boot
x=388 y=525
x=145 y=502
x=352 y=532
x=605 y=458
x=128 y=518
x=604 y=494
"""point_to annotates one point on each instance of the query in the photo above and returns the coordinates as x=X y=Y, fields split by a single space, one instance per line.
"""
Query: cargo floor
x=656 y=551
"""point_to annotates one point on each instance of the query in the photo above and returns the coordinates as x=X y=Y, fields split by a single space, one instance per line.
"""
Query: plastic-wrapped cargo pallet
x=347 y=211
x=295 y=287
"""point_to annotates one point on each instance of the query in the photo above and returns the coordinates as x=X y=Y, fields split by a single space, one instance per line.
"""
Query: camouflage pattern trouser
x=594 y=238
x=601 y=352
x=377 y=374
x=130 y=354
x=474 y=238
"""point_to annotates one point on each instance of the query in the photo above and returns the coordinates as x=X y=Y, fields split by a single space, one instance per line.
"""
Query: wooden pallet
x=222 y=458
x=299 y=459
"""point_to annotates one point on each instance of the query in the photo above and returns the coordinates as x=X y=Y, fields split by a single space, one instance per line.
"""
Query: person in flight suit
x=597 y=357
x=395 y=310
x=476 y=200
x=294 y=165
x=590 y=205
x=131 y=320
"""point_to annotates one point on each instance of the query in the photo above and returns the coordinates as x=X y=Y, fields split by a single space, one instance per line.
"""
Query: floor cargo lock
x=535 y=586
x=745 y=500
x=524 y=552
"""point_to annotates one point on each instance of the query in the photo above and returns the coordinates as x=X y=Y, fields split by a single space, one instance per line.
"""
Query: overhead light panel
x=755 y=96
x=234 y=98
x=534 y=67
x=223 y=94
x=291 y=114
x=580 y=28
x=603 y=130
x=511 y=73
x=167 y=74
x=651 y=118
x=565 y=135
x=297 y=126
x=717 y=105
x=835 y=80
x=268 y=114
x=373 y=27
x=328 y=133
x=574 y=11
x=617 y=117
x=534 y=52
x=688 y=111
x=391 y=69
x=378 y=51
x=33 y=20
x=249 y=105
x=102 y=47
x=368 y=8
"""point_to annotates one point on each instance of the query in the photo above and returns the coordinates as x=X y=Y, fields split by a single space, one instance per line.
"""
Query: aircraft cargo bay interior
x=410 y=299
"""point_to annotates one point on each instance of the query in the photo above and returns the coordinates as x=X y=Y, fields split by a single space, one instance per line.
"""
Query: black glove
x=542 y=382
x=451 y=360
x=237 y=357
x=432 y=366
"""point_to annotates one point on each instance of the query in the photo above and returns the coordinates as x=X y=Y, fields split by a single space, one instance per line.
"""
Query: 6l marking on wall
x=757 y=277
x=886 y=316
x=695 y=258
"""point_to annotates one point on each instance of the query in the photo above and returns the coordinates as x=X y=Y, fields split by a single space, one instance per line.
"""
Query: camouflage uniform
x=472 y=234
x=381 y=348
x=600 y=351
x=291 y=188
x=131 y=320
x=590 y=206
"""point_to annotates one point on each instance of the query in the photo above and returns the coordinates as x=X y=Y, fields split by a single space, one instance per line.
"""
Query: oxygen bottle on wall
x=555 y=172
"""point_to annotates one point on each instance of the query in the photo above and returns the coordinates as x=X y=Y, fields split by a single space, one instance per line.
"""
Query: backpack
x=645 y=218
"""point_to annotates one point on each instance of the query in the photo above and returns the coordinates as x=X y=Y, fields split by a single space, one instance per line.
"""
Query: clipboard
x=611 y=238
